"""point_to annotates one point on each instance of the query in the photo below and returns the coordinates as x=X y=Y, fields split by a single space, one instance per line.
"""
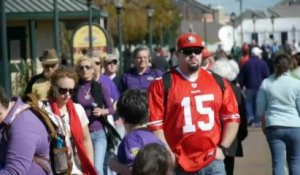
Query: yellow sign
x=81 y=41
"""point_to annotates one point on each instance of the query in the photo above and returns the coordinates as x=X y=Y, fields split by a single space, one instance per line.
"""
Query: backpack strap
x=219 y=80
x=167 y=82
x=41 y=114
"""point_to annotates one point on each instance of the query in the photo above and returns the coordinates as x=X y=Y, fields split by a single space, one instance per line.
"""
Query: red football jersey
x=192 y=125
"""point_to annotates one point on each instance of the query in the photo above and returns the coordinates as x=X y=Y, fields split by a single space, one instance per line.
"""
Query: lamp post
x=150 y=12
x=254 y=21
x=90 y=12
x=119 y=6
x=56 y=27
x=232 y=19
x=294 y=33
x=205 y=27
x=5 y=73
x=272 y=21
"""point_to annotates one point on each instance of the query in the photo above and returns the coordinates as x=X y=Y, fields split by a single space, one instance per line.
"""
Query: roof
x=286 y=11
x=43 y=9
x=193 y=6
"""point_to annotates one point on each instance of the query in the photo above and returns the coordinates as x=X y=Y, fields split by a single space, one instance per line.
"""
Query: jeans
x=107 y=171
x=251 y=105
x=99 y=144
x=283 y=140
x=216 y=167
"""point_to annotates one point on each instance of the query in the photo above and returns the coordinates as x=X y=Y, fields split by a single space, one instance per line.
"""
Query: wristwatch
x=224 y=150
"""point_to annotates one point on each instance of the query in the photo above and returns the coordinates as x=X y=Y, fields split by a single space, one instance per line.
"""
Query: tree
x=134 y=17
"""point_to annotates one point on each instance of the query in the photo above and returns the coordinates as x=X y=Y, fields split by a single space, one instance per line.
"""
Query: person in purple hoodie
x=23 y=137
x=132 y=107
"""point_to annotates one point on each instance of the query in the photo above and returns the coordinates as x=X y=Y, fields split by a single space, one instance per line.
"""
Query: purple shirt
x=110 y=87
x=94 y=123
x=132 y=80
x=27 y=137
x=253 y=73
x=132 y=143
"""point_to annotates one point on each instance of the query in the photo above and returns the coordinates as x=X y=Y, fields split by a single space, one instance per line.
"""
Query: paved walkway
x=257 y=158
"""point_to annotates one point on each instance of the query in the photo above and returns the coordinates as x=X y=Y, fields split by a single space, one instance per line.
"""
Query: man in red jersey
x=198 y=122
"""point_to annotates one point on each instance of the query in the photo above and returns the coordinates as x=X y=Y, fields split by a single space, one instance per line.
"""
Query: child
x=152 y=159
x=132 y=107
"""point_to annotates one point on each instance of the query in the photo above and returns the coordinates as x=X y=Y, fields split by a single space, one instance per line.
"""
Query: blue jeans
x=216 y=167
x=283 y=140
x=99 y=144
x=251 y=105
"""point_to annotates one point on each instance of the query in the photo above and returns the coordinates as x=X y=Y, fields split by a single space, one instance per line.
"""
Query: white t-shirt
x=76 y=168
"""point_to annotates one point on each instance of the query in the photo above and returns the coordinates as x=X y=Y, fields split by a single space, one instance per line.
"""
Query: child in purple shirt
x=132 y=107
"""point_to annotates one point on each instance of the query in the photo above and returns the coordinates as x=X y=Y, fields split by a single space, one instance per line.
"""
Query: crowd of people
x=185 y=113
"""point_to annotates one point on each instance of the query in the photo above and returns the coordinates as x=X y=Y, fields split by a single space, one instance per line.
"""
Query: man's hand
x=219 y=154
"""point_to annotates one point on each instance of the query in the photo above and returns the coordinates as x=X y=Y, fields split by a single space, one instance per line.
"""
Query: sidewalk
x=257 y=157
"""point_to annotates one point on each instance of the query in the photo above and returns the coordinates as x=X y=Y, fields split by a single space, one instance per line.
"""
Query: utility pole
x=241 y=21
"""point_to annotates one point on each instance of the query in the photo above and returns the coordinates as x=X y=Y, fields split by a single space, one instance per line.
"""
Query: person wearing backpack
x=227 y=71
x=187 y=120
x=23 y=137
x=74 y=120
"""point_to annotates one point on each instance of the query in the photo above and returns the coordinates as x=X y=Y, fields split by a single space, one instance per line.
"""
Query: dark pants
x=229 y=165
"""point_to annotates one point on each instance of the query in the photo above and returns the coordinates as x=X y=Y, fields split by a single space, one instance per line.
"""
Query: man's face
x=141 y=60
x=49 y=69
x=189 y=59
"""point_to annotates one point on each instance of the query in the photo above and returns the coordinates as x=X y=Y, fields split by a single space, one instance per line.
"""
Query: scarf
x=77 y=134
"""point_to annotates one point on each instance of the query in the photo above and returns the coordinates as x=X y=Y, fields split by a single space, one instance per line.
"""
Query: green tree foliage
x=134 y=17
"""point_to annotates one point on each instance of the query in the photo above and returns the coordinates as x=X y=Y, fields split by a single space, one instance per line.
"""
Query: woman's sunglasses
x=63 y=91
x=190 y=51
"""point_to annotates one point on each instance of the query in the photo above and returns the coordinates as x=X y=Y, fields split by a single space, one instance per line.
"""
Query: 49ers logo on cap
x=190 y=39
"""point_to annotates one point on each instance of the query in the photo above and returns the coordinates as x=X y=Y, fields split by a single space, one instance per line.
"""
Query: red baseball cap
x=206 y=53
x=189 y=40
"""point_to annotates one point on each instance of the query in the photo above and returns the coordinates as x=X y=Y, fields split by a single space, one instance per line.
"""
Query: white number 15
x=188 y=124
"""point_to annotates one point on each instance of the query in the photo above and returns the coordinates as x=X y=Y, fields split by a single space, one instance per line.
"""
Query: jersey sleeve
x=127 y=150
x=229 y=110
x=156 y=105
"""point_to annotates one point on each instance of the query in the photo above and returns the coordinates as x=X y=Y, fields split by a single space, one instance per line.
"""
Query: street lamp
x=89 y=4
x=294 y=33
x=272 y=21
x=254 y=21
x=232 y=19
x=56 y=27
x=119 y=6
x=205 y=27
x=150 y=12
x=5 y=72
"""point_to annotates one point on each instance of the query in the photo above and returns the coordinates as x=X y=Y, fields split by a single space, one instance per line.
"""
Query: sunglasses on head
x=63 y=91
x=112 y=62
x=87 y=67
x=48 y=66
x=191 y=50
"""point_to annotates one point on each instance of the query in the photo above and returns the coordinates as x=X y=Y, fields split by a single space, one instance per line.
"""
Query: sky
x=233 y=5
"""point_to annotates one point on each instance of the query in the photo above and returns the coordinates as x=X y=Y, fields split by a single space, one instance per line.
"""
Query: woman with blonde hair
x=97 y=105
x=74 y=120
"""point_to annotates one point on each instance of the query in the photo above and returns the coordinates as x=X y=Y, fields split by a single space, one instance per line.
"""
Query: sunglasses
x=63 y=91
x=112 y=62
x=98 y=63
x=87 y=67
x=48 y=66
x=190 y=51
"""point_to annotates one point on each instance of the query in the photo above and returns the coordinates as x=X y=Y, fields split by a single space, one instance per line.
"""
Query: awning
x=43 y=9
